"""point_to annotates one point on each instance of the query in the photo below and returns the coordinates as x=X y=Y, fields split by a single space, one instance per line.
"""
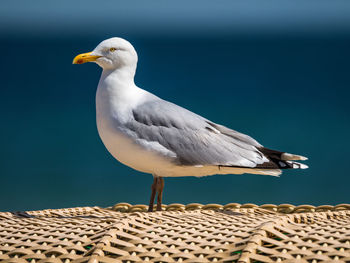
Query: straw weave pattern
x=181 y=233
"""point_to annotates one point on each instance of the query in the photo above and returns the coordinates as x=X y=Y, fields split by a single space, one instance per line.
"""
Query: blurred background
x=279 y=70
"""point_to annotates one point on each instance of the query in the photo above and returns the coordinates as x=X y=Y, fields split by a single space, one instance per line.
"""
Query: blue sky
x=174 y=17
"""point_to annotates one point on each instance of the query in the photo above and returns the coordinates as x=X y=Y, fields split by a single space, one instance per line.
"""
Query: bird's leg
x=160 y=186
x=153 y=194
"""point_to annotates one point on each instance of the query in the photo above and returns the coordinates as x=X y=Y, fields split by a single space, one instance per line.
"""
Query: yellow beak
x=85 y=57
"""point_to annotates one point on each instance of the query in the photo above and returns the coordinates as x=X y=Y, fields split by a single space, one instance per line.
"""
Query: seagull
x=154 y=136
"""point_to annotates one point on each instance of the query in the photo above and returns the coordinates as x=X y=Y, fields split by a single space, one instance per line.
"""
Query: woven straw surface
x=193 y=233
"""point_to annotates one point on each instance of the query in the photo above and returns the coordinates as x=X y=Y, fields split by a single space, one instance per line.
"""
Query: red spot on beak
x=80 y=61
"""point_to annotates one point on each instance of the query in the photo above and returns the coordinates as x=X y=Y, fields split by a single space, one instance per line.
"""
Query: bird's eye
x=112 y=49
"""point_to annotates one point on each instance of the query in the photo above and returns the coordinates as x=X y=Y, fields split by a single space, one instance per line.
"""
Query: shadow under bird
x=155 y=136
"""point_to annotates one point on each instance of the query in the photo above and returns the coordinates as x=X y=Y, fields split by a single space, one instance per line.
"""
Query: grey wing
x=190 y=138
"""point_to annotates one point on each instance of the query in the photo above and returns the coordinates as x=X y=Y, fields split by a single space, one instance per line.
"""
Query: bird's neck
x=117 y=91
x=118 y=78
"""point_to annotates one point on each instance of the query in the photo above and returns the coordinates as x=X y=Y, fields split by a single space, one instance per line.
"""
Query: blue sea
x=291 y=93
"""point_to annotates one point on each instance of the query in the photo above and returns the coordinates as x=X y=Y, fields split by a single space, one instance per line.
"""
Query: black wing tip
x=281 y=160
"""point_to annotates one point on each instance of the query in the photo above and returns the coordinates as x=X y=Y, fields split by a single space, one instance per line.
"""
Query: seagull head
x=110 y=54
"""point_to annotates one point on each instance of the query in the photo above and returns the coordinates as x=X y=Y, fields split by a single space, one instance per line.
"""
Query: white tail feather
x=293 y=157
x=296 y=165
x=273 y=172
